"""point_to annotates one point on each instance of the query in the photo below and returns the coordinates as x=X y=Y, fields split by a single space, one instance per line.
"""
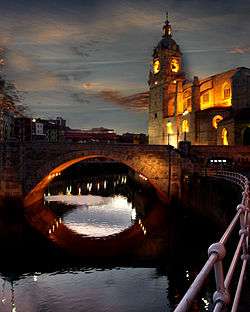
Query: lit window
x=216 y=120
x=224 y=136
x=205 y=98
x=156 y=66
x=227 y=93
x=169 y=128
x=185 y=126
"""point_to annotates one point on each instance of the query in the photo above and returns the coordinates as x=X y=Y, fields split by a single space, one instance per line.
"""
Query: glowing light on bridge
x=143 y=177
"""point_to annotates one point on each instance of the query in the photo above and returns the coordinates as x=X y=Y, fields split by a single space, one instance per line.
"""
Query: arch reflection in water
x=98 y=204
x=96 y=215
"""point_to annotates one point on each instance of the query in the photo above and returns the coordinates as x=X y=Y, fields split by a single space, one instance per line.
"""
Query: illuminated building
x=210 y=111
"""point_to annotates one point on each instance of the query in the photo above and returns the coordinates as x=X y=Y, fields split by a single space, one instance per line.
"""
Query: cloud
x=240 y=50
x=136 y=102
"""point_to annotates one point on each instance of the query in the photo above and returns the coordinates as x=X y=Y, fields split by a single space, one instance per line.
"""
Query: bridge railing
x=217 y=252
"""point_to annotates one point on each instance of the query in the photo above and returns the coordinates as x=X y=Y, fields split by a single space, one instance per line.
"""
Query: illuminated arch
x=224 y=136
x=216 y=119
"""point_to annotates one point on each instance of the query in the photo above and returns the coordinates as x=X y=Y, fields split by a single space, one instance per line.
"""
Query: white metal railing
x=217 y=252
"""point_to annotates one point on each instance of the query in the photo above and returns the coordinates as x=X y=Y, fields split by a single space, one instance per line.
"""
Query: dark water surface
x=98 y=201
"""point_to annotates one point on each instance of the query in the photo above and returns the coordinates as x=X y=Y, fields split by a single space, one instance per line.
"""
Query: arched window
x=185 y=126
x=224 y=136
x=216 y=120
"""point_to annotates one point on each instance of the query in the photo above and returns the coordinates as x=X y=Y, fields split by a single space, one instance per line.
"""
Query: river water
x=97 y=201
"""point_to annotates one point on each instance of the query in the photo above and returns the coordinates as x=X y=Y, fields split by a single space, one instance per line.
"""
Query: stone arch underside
x=154 y=166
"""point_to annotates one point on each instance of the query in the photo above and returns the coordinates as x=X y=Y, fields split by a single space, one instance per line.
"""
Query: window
x=226 y=91
x=224 y=136
x=185 y=126
x=205 y=98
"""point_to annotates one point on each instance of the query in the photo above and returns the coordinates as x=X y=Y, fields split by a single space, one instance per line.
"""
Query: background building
x=6 y=125
x=214 y=110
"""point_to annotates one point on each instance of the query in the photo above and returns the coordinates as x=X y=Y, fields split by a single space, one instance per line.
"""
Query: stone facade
x=202 y=111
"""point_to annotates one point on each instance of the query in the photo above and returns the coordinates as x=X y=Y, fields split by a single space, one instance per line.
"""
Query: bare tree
x=10 y=97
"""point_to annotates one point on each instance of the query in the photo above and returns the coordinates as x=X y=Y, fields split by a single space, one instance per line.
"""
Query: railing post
x=221 y=295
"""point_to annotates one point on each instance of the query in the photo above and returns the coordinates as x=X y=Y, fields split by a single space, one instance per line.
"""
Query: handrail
x=217 y=252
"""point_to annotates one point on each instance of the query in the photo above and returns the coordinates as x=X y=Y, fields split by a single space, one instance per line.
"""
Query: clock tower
x=165 y=84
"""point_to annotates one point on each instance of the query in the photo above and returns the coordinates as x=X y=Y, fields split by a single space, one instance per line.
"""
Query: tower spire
x=167 y=29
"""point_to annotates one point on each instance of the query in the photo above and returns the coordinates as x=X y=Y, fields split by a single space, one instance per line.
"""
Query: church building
x=209 y=111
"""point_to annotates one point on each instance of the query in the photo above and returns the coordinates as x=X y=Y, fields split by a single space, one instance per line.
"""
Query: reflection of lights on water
x=79 y=191
x=13 y=305
x=35 y=276
x=124 y=180
x=133 y=214
x=55 y=226
x=98 y=186
x=206 y=303
x=116 y=213
x=68 y=190
x=89 y=187
x=3 y=292
x=105 y=184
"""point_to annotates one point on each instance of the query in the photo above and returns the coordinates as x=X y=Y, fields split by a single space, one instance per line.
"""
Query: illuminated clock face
x=156 y=67
x=175 y=66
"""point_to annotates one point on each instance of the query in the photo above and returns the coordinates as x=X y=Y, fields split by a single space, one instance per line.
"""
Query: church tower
x=165 y=83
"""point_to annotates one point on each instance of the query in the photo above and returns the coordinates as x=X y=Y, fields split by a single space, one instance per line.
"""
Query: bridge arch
x=161 y=167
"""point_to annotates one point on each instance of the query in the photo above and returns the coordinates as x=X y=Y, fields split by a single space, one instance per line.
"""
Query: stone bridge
x=22 y=167
x=38 y=163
